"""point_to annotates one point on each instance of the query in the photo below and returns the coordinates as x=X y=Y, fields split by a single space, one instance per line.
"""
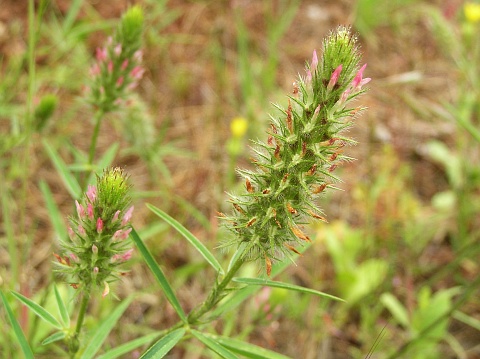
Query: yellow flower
x=472 y=12
x=238 y=127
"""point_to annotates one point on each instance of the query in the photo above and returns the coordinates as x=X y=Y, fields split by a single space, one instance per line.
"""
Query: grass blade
x=53 y=210
x=128 y=347
x=27 y=351
x=54 y=337
x=246 y=349
x=164 y=345
x=211 y=343
x=62 y=308
x=70 y=182
x=38 y=310
x=104 y=329
x=158 y=273
x=189 y=237
x=274 y=284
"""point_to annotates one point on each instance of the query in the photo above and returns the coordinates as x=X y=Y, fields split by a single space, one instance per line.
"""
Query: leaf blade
x=246 y=349
x=214 y=345
x=104 y=329
x=127 y=347
x=158 y=273
x=288 y=286
x=62 y=308
x=27 y=351
x=68 y=179
x=164 y=345
x=199 y=246
x=38 y=310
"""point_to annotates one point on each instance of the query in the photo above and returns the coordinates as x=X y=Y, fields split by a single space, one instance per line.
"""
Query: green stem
x=93 y=145
x=74 y=342
x=215 y=294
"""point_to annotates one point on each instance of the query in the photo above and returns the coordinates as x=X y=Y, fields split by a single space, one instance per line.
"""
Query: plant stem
x=215 y=294
x=74 y=342
x=98 y=120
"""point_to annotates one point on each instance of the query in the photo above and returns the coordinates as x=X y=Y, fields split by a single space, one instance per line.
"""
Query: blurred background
x=401 y=245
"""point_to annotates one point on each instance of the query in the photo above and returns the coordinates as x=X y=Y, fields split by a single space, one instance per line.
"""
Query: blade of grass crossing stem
x=241 y=295
x=53 y=211
x=164 y=345
x=214 y=345
x=246 y=349
x=189 y=237
x=158 y=273
x=104 y=329
x=54 y=337
x=68 y=179
x=274 y=284
x=128 y=347
x=38 y=310
x=62 y=308
x=27 y=351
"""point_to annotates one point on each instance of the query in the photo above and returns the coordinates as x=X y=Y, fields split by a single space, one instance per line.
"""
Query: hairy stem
x=74 y=342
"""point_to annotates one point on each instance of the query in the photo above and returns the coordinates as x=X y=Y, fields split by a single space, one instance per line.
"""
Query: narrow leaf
x=128 y=347
x=54 y=337
x=62 y=308
x=271 y=283
x=68 y=179
x=189 y=237
x=214 y=345
x=104 y=329
x=158 y=273
x=53 y=211
x=164 y=345
x=27 y=351
x=38 y=310
x=246 y=349
x=241 y=295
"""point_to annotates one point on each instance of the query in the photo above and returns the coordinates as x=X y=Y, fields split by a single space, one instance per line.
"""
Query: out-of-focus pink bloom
x=110 y=67
x=127 y=216
x=115 y=216
x=90 y=211
x=314 y=65
x=118 y=50
x=124 y=64
x=334 y=78
x=137 y=72
x=122 y=234
x=120 y=81
x=101 y=54
x=127 y=255
x=92 y=193
x=71 y=233
x=94 y=249
x=99 y=225
x=80 y=210
x=106 y=290
x=95 y=270
x=359 y=81
x=74 y=257
x=138 y=55
x=81 y=230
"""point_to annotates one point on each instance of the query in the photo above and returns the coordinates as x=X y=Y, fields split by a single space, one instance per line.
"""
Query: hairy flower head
x=297 y=163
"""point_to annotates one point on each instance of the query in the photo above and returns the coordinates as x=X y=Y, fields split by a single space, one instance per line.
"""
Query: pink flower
x=137 y=72
x=101 y=54
x=94 y=249
x=80 y=210
x=90 y=211
x=99 y=225
x=314 y=64
x=124 y=64
x=110 y=67
x=81 y=230
x=115 y=216
x=118 y=49
x=334 y=78
x=95 y=70
x=120 y=81
x=359 y=81
x=92 y=193
x=127 y=255
x=121 y=234
x=127 y=216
